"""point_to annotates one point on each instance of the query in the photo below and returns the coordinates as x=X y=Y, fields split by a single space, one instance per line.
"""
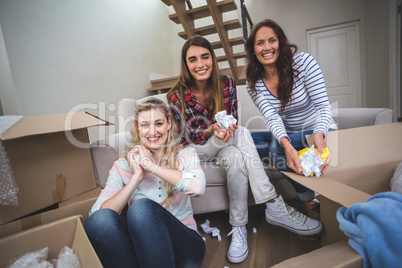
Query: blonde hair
x=169 y=158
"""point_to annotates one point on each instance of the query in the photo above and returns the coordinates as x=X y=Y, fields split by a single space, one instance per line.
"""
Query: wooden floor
x=269 y=245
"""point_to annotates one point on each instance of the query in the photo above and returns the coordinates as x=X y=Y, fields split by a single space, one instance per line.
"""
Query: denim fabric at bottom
x=269 y=148
x=152 y=237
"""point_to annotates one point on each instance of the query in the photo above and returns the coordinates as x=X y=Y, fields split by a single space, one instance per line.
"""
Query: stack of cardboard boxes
x=362 y=164
x=52 y=166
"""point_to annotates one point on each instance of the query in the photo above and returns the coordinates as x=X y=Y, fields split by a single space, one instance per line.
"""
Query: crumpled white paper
x=224 y=120
x=137 y=158
x=207 y=229
x=310 y=163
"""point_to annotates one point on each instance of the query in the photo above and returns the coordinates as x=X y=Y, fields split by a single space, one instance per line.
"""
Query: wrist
x=208 y=132
x=153 y=168
x=318 y=135
x=285 y=142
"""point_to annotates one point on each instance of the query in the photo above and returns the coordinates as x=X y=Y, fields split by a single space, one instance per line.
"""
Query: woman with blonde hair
x=197 y=97
x=156 y=179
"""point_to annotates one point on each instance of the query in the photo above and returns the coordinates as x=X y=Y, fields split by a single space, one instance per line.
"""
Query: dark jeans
x=152 y=237
x=272 y=151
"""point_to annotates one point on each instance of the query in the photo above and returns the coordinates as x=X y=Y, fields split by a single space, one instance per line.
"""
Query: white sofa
x=104 y=152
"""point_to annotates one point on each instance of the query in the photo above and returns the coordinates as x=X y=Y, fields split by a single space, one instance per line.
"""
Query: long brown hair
x=186 y=80
x=255 y=70
x=169 y=158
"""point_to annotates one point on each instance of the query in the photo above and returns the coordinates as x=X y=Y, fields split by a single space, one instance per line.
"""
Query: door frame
x=395 y=59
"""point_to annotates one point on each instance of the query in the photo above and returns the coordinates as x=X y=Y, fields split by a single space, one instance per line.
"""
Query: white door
x=337 y=51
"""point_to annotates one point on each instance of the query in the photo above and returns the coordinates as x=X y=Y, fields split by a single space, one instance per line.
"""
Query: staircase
x=233 y=47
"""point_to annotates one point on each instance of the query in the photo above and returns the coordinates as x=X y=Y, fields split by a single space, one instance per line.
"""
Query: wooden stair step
x=167 y=2
x=241 y=71
x=211 y=29
x=165 y=82
x=158 y=90
x=203 y=11
x=232 y=41
x=235 y=55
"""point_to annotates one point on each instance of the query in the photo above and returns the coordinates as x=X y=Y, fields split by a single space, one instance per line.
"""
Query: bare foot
x=313 y=208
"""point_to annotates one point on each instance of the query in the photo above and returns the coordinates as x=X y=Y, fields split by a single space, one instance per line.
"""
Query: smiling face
x=153 y=129
x=266 y=46
x=199 y=63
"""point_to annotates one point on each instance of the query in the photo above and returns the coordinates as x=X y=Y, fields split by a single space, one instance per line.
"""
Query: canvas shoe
x=238 y=249
x=283 y=215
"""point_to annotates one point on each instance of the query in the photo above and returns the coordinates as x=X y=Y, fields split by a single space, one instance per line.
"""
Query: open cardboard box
x=363 y=161
x=51 y=160
x=55 y=235
x=78 y=205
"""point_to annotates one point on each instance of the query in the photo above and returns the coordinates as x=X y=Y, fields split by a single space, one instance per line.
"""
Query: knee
x=244 y=132
x=101 y=222
x=140 y=211
x=231 y=158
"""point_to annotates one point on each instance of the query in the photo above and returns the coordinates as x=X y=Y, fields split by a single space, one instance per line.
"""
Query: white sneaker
x=283 y=215
x=238 y=250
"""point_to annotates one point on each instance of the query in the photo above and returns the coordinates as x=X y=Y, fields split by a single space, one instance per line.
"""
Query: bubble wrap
x=36 y=259
x=67 y=259
x=8 y=186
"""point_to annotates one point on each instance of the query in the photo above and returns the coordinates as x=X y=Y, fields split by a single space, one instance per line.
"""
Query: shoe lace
x=237 y=237
x=292 y=213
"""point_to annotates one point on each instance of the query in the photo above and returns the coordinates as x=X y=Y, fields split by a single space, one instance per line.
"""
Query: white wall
x=57 y=55
x=66 y=53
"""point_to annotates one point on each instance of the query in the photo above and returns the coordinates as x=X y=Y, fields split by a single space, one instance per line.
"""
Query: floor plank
x=269 y=245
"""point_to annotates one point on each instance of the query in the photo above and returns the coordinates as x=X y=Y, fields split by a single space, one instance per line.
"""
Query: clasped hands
x=145 y=161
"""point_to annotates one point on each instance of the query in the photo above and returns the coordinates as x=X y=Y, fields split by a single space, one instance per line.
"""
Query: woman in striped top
x=289 y=90
x=156 y=180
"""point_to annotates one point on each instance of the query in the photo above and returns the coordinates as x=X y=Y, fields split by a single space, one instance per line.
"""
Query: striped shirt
x=192 y=183
x=308 y=108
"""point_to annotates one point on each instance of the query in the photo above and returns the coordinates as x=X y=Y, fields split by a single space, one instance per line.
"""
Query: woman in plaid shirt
x=198 y=95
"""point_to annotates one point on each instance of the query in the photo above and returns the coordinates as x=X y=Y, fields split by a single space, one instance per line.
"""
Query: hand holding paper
x=310 y=162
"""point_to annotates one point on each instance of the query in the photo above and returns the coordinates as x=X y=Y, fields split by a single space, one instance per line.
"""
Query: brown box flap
x=365 y=146
x=34 y=125
x=332 y=189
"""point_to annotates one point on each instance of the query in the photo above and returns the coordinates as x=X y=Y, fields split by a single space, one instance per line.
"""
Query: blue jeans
x=272 y=151
x=152 y=237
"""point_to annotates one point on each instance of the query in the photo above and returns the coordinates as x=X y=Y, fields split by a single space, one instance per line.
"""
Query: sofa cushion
x=360 y=117
x=249 y=115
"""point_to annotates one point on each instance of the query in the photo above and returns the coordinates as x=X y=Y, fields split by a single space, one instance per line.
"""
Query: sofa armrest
x=105 y=152
x=360 y=117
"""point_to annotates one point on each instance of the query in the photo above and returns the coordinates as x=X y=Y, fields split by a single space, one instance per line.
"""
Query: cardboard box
x=55 y=235
x=50 y=159
x=362 y=164
x=91 y=195
x=338 y=254
x=79 y=205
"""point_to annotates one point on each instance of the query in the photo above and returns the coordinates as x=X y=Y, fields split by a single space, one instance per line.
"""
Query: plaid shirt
x=197 y=117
